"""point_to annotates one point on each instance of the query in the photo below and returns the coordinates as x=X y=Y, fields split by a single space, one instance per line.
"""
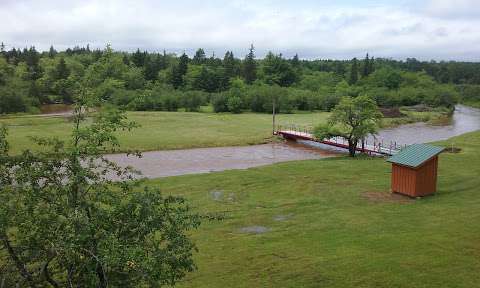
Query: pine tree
x=366 y=67
x=163 y=64
x=199 y=58
x=32 y=59
x=250 y=66
x=183 y=64
x=52 y=52
x=138 y=58
x=229 y=64
x=179 y=71
x=152 y=66
x=125 y=59
x=340 y=68
x=62 y=71
x=372 y=65
x=353 y=72
x=295 y=61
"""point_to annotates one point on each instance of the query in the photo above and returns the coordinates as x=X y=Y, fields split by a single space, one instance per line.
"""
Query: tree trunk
x=352 y=145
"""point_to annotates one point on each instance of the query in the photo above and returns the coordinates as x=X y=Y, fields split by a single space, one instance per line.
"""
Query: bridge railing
x=378 y=146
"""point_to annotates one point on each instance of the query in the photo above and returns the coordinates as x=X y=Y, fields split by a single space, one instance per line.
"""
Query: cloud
x=313 y=29
x=455 y=9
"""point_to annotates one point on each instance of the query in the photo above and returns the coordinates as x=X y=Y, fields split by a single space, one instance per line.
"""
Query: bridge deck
x=376 y=148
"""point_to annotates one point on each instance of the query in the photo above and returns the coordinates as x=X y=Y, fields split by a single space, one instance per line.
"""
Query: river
x=203 y=160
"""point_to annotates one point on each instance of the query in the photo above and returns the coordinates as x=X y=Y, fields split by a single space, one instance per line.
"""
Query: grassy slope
x=336 y=237
x=178 y=130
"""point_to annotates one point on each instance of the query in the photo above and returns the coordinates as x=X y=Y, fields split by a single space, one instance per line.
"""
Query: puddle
x=283 y=217
x=255 y=229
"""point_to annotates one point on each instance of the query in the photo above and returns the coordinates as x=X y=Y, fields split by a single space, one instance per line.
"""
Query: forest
x=147 y=81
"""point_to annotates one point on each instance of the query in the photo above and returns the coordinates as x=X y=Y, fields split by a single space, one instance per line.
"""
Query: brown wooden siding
x=421 y=181
x=427 y=177
x=403 y=180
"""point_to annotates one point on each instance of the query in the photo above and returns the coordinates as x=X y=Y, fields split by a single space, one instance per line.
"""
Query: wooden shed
x=414 y=170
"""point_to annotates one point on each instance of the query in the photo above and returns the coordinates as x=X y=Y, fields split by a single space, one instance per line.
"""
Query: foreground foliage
x=65 y=223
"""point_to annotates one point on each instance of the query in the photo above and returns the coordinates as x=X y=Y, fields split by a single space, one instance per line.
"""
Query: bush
x=192 y=100
x=234 y=104
x=219 y=102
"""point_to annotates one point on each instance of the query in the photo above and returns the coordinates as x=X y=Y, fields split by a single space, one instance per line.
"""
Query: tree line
x=144 y=80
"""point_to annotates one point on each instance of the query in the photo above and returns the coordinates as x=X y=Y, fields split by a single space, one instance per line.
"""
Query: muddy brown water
x=465 y=119
x=203 y=160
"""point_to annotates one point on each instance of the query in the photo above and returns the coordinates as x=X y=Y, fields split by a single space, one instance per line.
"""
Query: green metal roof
x=415 y=155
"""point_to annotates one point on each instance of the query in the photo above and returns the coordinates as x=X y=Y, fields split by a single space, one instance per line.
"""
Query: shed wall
x=421 y=181
x=427 y=177
x=403 y=180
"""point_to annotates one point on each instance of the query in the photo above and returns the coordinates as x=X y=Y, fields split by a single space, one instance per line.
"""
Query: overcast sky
x=428 y=29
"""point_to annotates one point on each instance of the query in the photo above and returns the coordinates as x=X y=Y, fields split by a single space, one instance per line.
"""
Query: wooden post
x=273 y=115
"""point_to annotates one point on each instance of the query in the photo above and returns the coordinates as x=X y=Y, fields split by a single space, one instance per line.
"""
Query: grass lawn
x=330 y=234
x=168 y=130
x=180 y=130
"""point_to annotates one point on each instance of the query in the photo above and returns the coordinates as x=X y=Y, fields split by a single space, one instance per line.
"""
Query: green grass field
x=340 y=227
x=180 y=130
x=167 y=130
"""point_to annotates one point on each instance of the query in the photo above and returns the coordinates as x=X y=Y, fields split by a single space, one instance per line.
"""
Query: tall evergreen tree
x=340 y=68
x=250 y=66
x=183 y=64
x=125 y=59
x=32 y=59
x=62 y=71
x=163 y=60
x=138 y=58
x=179 y=71
x=153 y=65
x=366 y=67
x=353 y=72
x=52 y=52
x=295 y=61
x=199 y=58
x=229 y=64
x=2 y=49
x=372 y=65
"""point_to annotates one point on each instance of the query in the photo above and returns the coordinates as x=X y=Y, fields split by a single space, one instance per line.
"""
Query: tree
x=229 y=64
x=61 y=70
x=199 y=58
x=278 y=71
x=250 y=66
x=32 y=59
x=152 y=66
x=138 y=58
x=69 y=224
x=52 y=52
x=353 y=119
x=366 y=67
x=179 y=71
x=353 y=72
x=295 y=61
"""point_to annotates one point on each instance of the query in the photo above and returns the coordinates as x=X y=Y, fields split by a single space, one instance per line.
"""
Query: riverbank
x=180 y=130
x=333 y=222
